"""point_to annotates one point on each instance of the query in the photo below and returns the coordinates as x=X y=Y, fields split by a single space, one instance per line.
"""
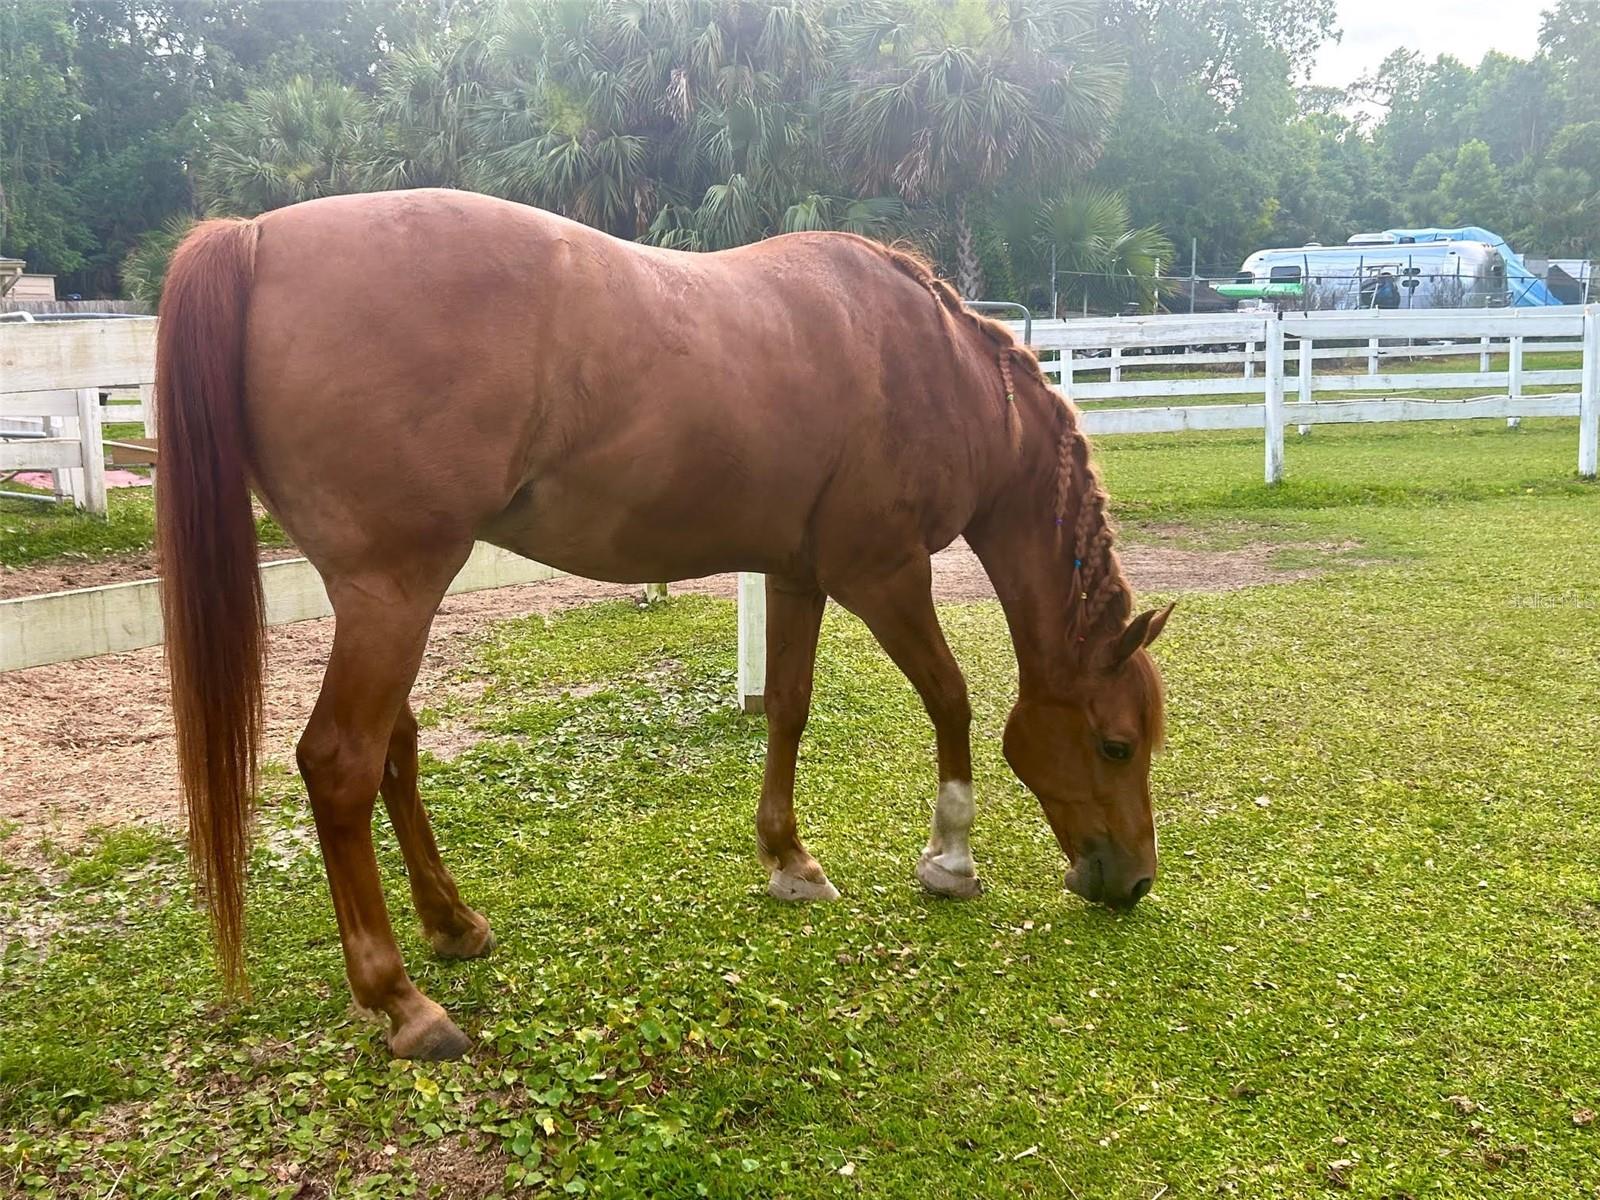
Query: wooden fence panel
x=76 y=354
x=61 y=626
x=752 y=643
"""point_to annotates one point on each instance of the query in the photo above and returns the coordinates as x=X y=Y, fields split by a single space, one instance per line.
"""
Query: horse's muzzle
x=1104 y=874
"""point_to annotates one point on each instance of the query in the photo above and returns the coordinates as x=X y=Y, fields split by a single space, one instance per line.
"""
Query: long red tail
x=210 y=584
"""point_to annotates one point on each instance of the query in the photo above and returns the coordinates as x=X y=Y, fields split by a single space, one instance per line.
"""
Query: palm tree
x=1133 y=268
x=945 y=109
x=561 y=121
x=690 y=123
x=426 y=98
x=1086 y=236
x=874 y=217
x=144 y=270
x=287 y=144
x=280 y=146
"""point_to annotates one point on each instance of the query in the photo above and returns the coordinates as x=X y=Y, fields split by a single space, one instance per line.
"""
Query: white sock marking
x=953 y=812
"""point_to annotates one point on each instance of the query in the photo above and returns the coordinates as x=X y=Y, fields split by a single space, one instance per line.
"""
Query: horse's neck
x=1030 y=565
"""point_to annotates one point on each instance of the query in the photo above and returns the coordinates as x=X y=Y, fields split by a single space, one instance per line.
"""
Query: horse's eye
x=1116 y=751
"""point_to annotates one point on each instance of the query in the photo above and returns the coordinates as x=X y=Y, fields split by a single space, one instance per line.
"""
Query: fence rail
x=52 y=379
x=117 y=617
x=131 y=308
x=1262 y=347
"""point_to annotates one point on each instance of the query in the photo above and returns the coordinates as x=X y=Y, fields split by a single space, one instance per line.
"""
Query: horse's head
x=1086 y=755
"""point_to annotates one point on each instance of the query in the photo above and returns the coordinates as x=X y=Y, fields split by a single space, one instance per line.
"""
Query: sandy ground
x=89 y=743
x=72 y=573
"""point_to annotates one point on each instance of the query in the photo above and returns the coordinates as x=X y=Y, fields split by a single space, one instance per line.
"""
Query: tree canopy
x=999 y=135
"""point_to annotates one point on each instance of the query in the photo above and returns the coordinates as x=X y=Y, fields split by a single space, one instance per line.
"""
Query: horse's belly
x=625 y=534
x=588 y=561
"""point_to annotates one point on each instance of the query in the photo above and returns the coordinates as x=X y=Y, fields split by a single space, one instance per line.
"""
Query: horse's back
x=445 y=365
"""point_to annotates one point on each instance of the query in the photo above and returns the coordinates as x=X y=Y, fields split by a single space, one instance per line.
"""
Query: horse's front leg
x=898 y=608
x=794 y=617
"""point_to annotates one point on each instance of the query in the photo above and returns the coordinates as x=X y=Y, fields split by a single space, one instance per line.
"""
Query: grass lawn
x=1370 y=966
x=31 y=532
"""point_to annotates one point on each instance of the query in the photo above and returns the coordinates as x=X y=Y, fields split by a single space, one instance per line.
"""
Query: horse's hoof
x=943 y=882
x=474 y=943
x=797 y=888
x=433 y=1037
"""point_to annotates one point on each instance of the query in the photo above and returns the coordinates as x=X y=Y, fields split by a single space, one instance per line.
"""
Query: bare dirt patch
x=89 y=743
x=69 y=573
x=468 y=1167
x=1152 y=567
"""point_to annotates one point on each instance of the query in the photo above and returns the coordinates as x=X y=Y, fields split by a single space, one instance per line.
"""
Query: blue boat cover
x=1524 y=288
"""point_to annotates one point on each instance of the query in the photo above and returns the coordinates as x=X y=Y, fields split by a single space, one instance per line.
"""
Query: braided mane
x=1084 y=532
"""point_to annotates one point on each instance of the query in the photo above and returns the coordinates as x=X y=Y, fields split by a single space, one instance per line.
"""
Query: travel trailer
x=1373 y=271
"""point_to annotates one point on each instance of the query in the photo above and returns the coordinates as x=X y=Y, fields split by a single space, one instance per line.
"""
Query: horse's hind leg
x=453 y=929
x=381 y=629
x=794 y=617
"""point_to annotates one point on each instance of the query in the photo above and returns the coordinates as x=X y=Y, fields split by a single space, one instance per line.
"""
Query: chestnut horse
x=398 y=375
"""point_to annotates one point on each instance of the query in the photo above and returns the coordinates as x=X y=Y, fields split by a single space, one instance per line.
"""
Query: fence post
x=1372 y=356
x=93 y=450
x=1483 y=355
x=147 y=408
x=67 y=482
x=1249 y=360
x=1066 y=371
x=1116 y=364
x=752 y=641
x=1274 y=398
x=1589 y=400
x=1514 y=365
x=1304 y=379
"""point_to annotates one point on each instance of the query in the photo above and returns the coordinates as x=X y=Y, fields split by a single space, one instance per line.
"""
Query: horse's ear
x=1141 y=631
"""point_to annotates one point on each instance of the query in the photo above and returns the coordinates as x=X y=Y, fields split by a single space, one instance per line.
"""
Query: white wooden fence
x=61 y=626
x=52 y=375
x=56 y=372
x=1101 y=348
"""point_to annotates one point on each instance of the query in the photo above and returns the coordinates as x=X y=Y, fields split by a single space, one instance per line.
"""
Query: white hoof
x=942 y=881
x=796 y=889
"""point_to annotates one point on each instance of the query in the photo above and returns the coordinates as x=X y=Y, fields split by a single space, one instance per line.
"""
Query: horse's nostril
x=1140 y=890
